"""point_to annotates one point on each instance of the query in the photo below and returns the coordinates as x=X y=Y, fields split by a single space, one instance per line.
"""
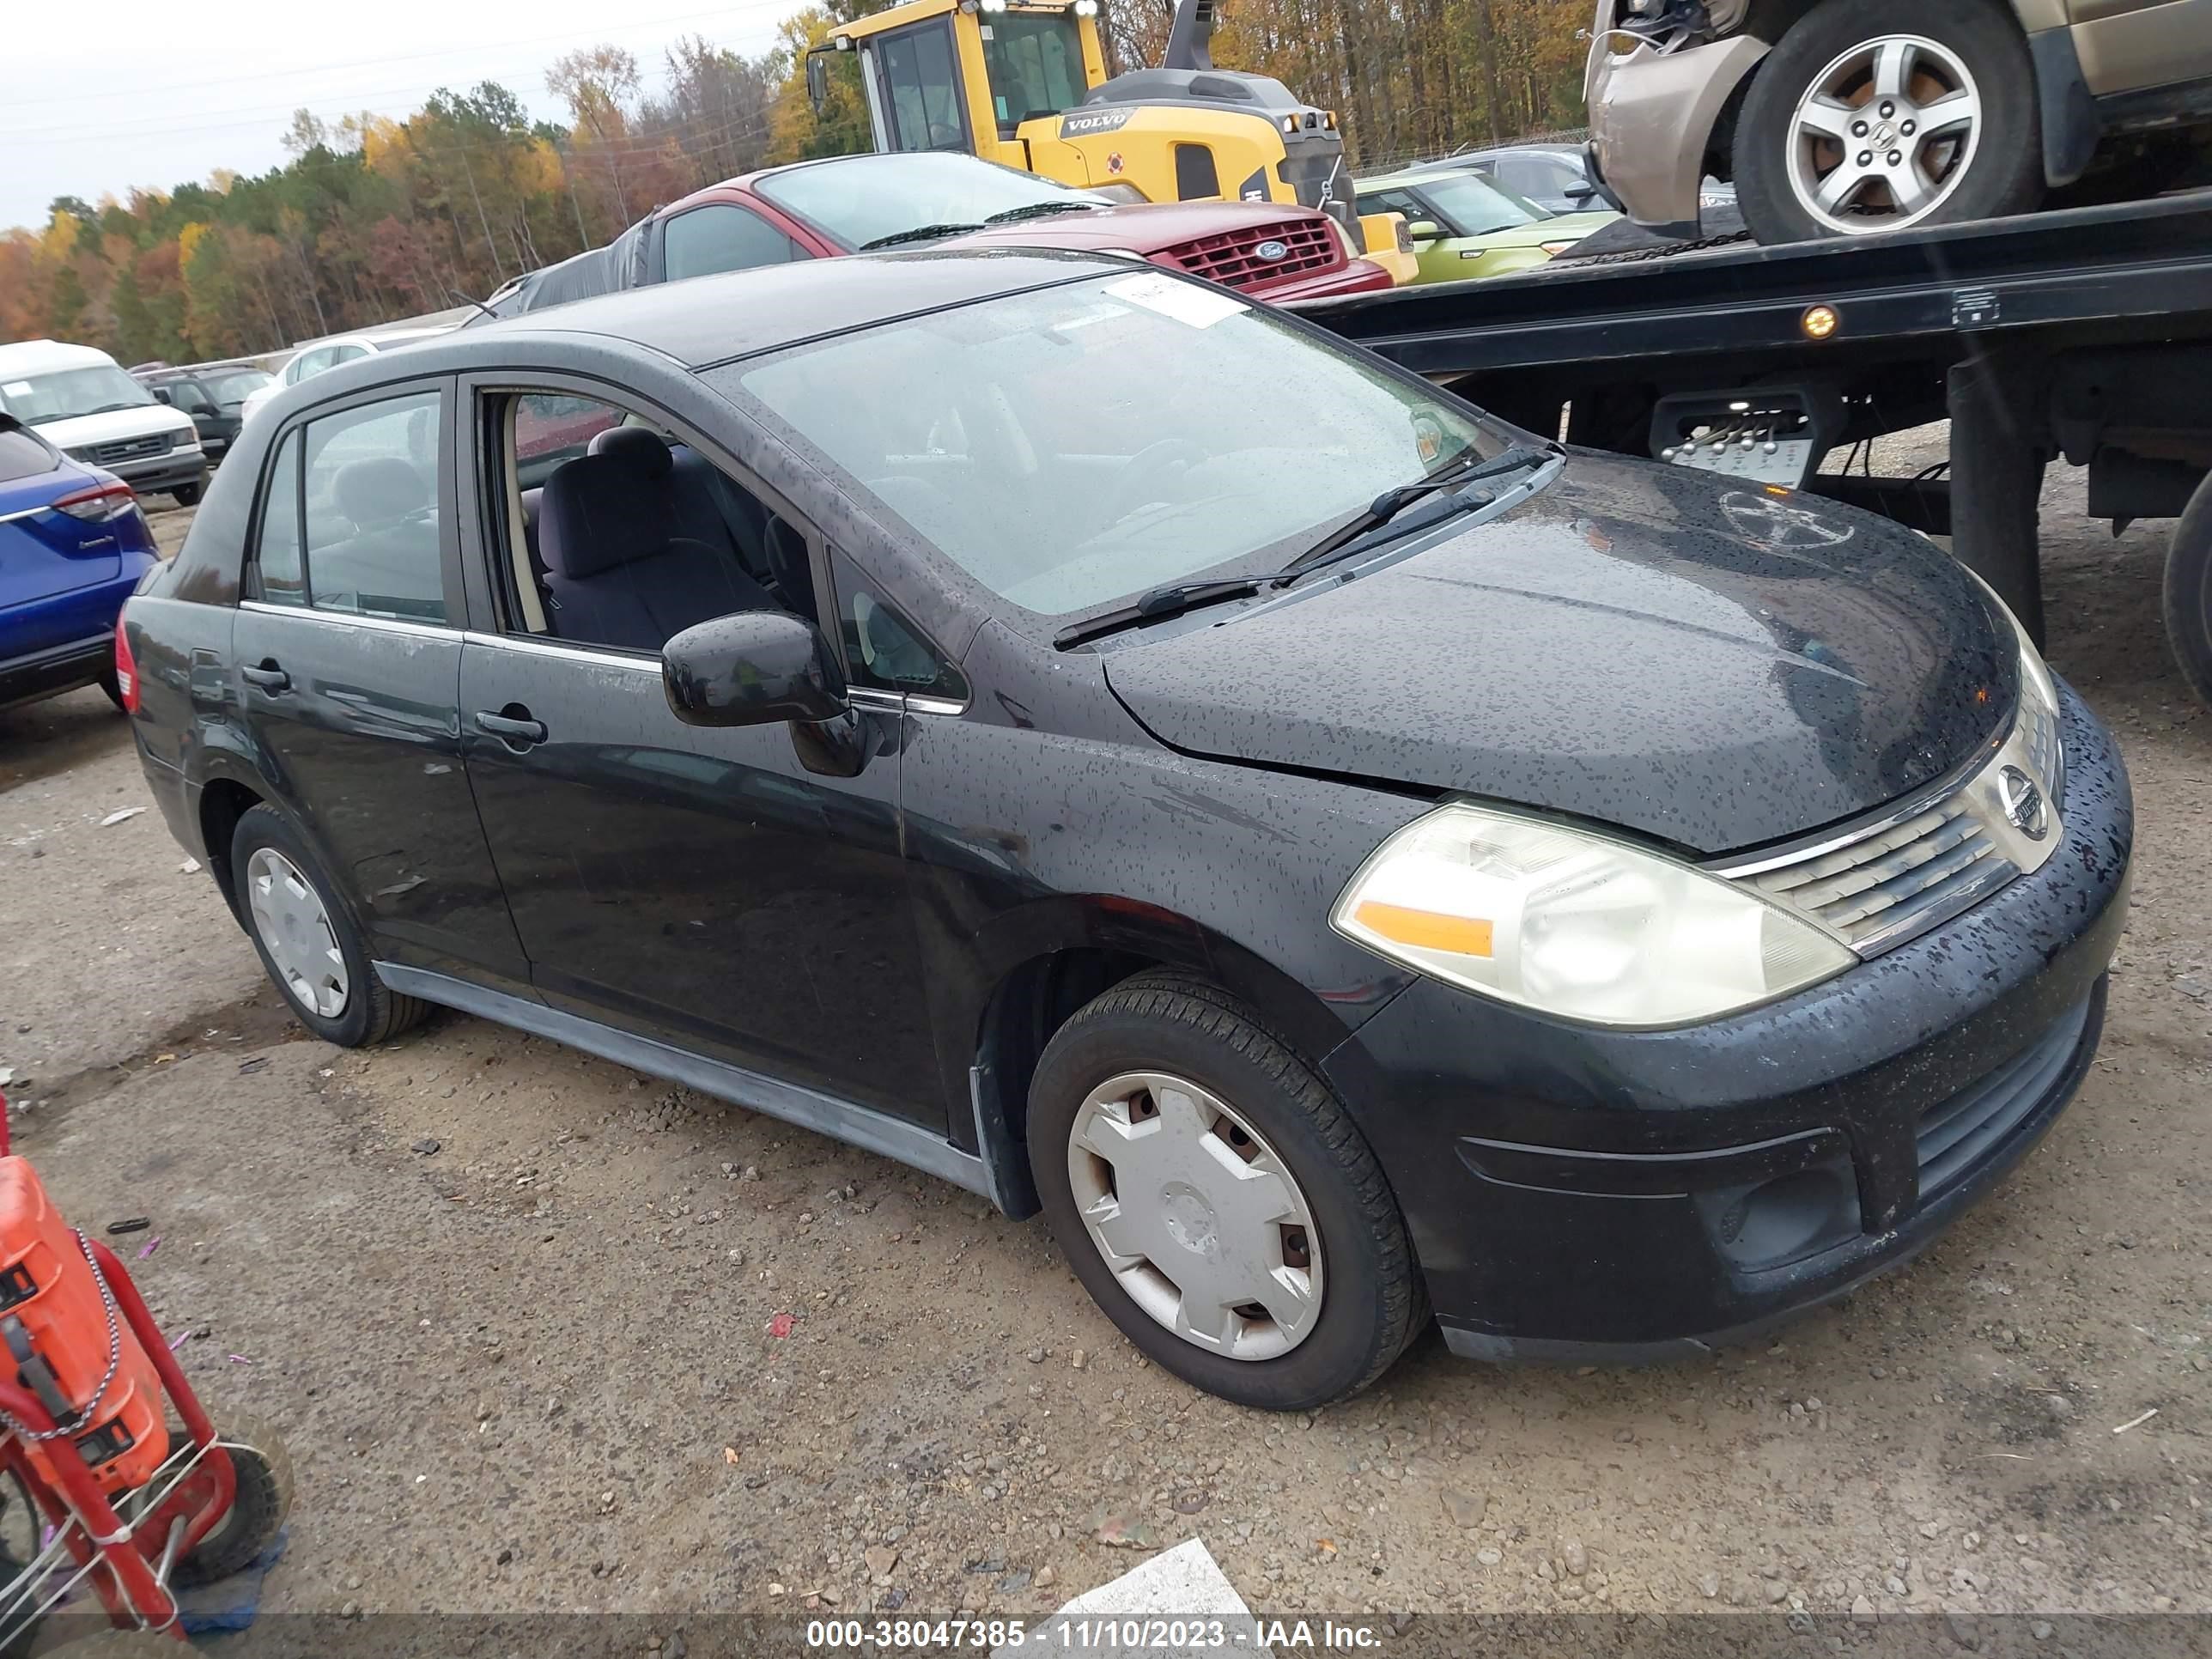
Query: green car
x=1465 y=226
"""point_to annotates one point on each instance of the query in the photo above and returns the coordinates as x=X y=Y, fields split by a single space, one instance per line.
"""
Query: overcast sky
x=103 y=96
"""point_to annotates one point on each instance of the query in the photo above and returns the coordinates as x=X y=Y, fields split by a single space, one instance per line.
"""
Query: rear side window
x=719 y=237
x=22 y=456
x=280 y=575
x=370 y=485
x=350 y=523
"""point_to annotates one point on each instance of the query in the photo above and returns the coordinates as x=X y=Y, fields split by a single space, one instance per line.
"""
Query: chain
x=114 y=1357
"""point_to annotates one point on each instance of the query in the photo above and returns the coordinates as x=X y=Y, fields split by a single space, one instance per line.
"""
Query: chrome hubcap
x=1200 y=1221
x=1885 y=134
x=293 y=927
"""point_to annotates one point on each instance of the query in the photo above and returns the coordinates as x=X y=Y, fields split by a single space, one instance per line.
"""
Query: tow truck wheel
x=2189 y=592
x=1873 y=115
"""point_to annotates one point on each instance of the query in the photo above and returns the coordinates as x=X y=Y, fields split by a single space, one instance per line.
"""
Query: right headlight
x=2038 y=724
x=1576 y=924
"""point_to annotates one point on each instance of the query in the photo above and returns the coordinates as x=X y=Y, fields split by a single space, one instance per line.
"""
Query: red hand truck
x=120 y=1503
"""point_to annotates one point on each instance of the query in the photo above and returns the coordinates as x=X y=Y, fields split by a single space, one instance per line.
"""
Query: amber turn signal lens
x=1465 y=936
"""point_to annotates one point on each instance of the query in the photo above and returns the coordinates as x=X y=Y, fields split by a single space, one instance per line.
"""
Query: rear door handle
x=510 y=728
x=268 y=676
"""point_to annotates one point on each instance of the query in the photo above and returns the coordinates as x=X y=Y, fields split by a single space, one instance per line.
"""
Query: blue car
x=73 y=545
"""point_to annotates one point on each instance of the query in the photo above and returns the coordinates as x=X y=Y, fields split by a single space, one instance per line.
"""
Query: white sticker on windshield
x=1184 y=302
x=17 y=388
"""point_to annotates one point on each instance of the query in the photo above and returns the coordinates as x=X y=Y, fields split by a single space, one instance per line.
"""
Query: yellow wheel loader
x=1024 y=84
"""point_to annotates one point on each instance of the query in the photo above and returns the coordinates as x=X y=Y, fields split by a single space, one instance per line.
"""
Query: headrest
x=599 y=512
x=379 y=489
x=641 y=449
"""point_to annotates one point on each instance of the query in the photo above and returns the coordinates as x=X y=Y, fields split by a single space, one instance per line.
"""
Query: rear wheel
x=1213 y=1196
x=1879 y=114
x=2189 y=592
x=307 y=939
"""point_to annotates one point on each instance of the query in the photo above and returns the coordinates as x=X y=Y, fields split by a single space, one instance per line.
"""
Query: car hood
x=1717 y=666
x=1145 y=227
x=140 y=420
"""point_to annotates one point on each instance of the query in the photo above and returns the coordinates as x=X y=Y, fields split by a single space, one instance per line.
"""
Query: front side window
x=628 y=534
x=1036 y=64
x=1075 y=445
x=230 y=387
x=861 y=199
x=921 y=86
x=65 y=393
x=719 y=237
x=369 y=491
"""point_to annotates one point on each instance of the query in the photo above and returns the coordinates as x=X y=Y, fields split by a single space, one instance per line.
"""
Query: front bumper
x=178 y=468
x=1652 y=117
x=1624 y=1195
x=1360 y=275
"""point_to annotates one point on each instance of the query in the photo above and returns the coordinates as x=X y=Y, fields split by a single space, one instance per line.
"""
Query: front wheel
x=188 y=495
x=1212 y=1195
x=2189 y=592
x=1880 y=114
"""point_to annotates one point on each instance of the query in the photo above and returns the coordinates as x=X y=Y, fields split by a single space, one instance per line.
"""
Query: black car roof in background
x=710 y=320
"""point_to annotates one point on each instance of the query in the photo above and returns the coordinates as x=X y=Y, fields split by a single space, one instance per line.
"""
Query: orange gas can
x=59 y=1339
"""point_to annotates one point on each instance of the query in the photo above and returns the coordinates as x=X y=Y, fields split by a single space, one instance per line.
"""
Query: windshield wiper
x=919 y=233
x=1043 y=209
x=1160 y=603
x=1343 y=543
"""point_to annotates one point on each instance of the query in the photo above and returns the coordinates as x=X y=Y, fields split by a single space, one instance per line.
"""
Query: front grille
x=129 y=449
x=1233 y=258
x=1924 y=870
x=1957 y=1134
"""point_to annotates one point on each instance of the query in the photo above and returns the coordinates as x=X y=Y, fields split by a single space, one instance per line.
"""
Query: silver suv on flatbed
x=1838 y=117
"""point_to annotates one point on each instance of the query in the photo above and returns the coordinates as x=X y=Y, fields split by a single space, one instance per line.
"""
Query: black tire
x=2005 y=176
x=256 y=1514
x=1373 y=1302
x=371 y=1012
x=2189 y=592
x=188 y=495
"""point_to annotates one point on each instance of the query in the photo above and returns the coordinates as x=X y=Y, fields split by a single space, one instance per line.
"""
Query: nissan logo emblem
x=1273 y=250
x=2023 y=803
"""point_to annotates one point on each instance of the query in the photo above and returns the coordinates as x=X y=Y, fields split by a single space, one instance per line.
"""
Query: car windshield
x=36 y=399
x=866 y=197
x=230 y=386
x=1076 y=445
x=1477 y=207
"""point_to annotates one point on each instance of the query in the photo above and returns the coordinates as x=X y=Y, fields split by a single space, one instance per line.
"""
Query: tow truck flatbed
x=2086 y=333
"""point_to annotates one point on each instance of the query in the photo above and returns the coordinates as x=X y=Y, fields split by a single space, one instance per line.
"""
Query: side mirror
x=1425 y=230
x=162 y=392
x=818 y=81
x=751 y=668
x=1579 y=193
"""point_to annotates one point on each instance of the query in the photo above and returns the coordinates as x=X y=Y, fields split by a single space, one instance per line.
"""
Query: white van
x=81 y=401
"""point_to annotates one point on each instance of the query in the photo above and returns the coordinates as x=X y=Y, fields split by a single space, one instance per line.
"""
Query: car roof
x=709 y=320
x=40 y=356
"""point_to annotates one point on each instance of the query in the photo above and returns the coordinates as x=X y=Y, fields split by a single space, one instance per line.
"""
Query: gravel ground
x=512 y=1307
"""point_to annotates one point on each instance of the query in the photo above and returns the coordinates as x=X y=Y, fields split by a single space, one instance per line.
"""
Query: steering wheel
x=1156 y=462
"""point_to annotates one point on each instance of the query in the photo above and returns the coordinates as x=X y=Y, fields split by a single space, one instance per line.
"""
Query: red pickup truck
x=856 y=203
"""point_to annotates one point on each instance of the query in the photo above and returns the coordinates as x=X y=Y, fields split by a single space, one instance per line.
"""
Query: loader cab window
x=921 y=88
x=1036 y=64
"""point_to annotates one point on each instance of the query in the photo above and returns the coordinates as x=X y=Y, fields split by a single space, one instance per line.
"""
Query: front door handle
x=268 y=676
x=519 y=729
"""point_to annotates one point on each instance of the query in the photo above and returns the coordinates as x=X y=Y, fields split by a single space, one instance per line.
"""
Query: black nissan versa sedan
x=1119 y=750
